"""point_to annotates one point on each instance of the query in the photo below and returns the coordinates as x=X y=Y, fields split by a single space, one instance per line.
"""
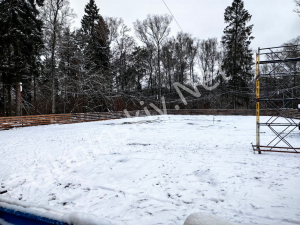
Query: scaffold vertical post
x=257 y=101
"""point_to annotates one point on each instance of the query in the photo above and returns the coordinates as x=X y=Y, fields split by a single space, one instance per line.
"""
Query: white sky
x=274 y=20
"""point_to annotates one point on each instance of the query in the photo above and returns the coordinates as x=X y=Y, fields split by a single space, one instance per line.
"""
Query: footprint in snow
x=123 y=160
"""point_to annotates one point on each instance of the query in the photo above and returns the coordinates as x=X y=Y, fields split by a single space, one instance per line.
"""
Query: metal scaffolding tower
x=278 y=89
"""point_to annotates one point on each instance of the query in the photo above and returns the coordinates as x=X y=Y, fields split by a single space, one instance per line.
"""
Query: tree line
x=106 y=66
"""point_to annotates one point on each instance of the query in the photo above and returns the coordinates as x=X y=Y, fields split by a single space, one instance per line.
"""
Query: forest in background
x=103 y=67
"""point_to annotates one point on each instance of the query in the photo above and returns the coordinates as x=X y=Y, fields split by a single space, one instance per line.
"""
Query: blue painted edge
x=16 y=217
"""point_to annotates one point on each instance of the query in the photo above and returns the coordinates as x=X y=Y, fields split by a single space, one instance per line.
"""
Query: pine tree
x=90 y=19
x=20 y=43
x=238 y=58
x=95 y=37
x=101 y=47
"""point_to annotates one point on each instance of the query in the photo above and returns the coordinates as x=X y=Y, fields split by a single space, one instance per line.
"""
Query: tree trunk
x=170 y=77
x=53 y=60
x=3 y=100
x=18 y=99
x=193 y=75
x=9 y=100
x=53 y=74
x=170 y=81
x=151 y=80
x=34 y=94
x=159 y=76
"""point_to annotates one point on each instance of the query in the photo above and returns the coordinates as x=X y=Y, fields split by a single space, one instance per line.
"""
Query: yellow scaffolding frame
x=267 y=97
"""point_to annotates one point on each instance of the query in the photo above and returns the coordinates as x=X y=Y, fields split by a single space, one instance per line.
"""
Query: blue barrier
x=15 y=212
x=21 y=218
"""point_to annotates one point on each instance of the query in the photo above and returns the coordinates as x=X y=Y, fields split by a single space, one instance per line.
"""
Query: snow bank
x=83 y=218
x=205 y=219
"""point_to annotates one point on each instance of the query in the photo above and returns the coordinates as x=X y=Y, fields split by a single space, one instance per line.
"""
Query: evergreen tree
x=95 y=37
x=101 y=47
x=238 y=58
x=20 y=43
x=90 y=18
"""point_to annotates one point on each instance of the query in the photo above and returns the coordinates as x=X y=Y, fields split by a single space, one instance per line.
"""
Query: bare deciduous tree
x=192 y=51
x=154 y=29
x=122 y=45
x=56 y=14
x=209 y=58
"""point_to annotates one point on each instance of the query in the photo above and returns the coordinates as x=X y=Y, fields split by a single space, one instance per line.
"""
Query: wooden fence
x=36 y=120
x=219 y=112
x=26 y=121
x=294 y=114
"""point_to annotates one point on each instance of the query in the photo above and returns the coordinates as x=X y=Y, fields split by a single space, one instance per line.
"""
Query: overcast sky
x=274 y=20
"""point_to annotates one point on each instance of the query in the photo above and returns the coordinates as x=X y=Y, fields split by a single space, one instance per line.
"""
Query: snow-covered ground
x=154 y=170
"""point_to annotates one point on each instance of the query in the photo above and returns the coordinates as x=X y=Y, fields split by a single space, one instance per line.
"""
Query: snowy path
x=154 y=170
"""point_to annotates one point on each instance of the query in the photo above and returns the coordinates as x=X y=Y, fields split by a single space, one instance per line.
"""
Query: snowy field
x=155 y=170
